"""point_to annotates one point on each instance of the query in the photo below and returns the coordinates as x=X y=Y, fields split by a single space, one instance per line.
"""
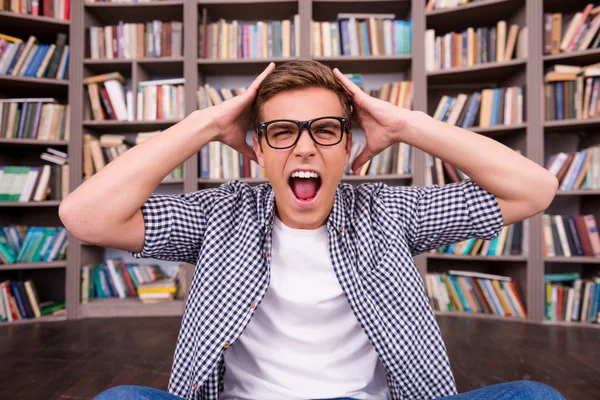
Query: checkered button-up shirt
x=374 y=232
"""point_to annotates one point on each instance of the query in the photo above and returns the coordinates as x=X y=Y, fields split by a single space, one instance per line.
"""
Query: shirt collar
x=342 y=205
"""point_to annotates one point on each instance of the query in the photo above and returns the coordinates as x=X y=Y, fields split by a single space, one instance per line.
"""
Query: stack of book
x=34 y=118
x=443 y=4
x=219 y=161
x=576 y=169
x=512 y=241
x=22 y=243
x=396 y=159
x=161 y=100
x=248 y=39
x=361 y=34
x=116 y=278
x=99 y=152
x=474 y=292
x=570 y=235
x=130 y=40
x=208 y=96
x=571 y=92
x=35 y=183
x=107 y=97
x=33 y=59
x=569 y=298
x=19 y=300
x=58 y=9
x=474 y=46
x=578 y=34
x=490 y=107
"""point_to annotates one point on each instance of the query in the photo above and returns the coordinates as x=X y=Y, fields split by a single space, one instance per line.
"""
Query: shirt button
x=226 y=345
x=253 y=304
x=266 y=254
x=195 y=386
x=341 y=228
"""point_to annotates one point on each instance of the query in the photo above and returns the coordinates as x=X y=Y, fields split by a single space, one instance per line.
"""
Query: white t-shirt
x=303 y=341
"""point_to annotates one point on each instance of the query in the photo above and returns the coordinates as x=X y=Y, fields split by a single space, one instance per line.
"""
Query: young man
x=306 y=288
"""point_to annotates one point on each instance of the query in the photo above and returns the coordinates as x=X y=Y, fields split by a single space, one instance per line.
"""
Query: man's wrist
x=408 y=123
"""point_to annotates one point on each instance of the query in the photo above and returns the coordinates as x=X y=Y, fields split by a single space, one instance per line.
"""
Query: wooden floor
x=78 y=359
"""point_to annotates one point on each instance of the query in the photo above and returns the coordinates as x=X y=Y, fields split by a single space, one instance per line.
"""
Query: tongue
x=304 y=188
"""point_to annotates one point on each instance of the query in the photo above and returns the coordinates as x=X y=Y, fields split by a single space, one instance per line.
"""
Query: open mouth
x=305 y=185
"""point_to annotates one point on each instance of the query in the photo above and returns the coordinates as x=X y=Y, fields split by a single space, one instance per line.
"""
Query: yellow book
x=158 y=290
x=10 y=38
x=503 y=300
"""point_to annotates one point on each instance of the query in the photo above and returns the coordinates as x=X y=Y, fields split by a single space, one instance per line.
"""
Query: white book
x=118 y=283
x=116 y=93
x=42 y=184
x=481 y=275
x=129 y=101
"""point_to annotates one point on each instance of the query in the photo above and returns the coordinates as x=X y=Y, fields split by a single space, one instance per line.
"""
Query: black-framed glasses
x=285 y=133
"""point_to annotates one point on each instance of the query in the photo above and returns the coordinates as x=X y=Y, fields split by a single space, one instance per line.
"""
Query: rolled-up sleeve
x=438 y=215
x=175 y=226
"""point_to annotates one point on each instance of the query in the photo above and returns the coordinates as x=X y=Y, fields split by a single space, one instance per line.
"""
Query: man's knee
x=121 y=393
x=531 y=390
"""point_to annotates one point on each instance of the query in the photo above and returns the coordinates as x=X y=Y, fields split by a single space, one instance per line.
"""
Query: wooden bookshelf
x=492 y=317
x=428 y=86
x=33 y=265
x=33 y=21
x=32 y=142
x=46 y=318
x=44 y=203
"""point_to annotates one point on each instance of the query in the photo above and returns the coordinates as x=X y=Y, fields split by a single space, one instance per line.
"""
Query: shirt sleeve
x=175 y=226
x=439 y=215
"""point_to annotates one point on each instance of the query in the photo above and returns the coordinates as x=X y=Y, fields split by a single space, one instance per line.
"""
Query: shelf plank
x=238 y=66
x=32 y=21
x=486 y=13
x=578 y=192
x=32 y=142
x=499 y=130
x=480 y=73
x=464 y=314
x=28 y=84
x=112 y=13
x=46 y=318
x=164 y=3
x=34 y=265
x=571 y=324
x=589 y=56
x=172 y=182
x=571 y=124
x=127 y=126
x=367 y=64
x=129 y=307
x=477 y=258
x=44 y=203
x=573 y=259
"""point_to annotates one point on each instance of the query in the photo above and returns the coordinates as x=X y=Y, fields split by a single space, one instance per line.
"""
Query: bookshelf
x=534 y=137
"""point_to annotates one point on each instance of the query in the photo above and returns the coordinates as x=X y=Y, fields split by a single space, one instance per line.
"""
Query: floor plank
x=78 y=359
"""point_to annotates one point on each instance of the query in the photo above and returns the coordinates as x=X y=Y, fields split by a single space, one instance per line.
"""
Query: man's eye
x=325 y=132
x=279 y=133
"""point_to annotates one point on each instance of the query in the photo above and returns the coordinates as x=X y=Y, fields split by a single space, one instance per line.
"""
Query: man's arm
x=522 y=187
x=106 y=209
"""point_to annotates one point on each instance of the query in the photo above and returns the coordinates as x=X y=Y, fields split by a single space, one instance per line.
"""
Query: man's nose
x=305 y=144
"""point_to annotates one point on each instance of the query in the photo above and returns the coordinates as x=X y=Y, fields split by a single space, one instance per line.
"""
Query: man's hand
x=232 y=117
x=381 y=120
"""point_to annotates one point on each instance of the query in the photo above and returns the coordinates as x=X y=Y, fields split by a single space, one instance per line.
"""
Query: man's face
x=304 y=203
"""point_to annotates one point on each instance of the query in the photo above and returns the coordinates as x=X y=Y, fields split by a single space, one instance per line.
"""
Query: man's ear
x=348 y=147
x=258 y=150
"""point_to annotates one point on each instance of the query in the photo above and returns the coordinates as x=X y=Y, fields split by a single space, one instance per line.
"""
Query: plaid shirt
x=374 y=230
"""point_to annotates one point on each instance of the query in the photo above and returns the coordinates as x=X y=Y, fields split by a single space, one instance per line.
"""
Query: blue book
x=35 y=63
x=364 y=31
x=461 y=294
x=345 y=35
x=495 y=106
x=560 y=101
x=17 y=295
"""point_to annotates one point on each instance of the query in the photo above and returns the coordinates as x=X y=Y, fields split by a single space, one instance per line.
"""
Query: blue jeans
x=518 y=390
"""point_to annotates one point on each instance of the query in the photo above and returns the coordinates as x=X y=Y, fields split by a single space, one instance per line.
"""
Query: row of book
x=474 y=46
x=576 y=169
x=512 y=241
x=219 y=161
x=97 y=152
x=567 y=297
x=156 y=99
x=237 y=39
x=19 y=300
x=396 y=159
x=578 y=32
x=116 y=278
x=136 y=40
x=474 y=292
x=34 y=118
x=24 y=243
x=571 y=92
x=361 y=35
x=570 y=235
x=58 y=9
x=34 y=59
x=490 y=107
x=444 y=4
x=30 y=184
